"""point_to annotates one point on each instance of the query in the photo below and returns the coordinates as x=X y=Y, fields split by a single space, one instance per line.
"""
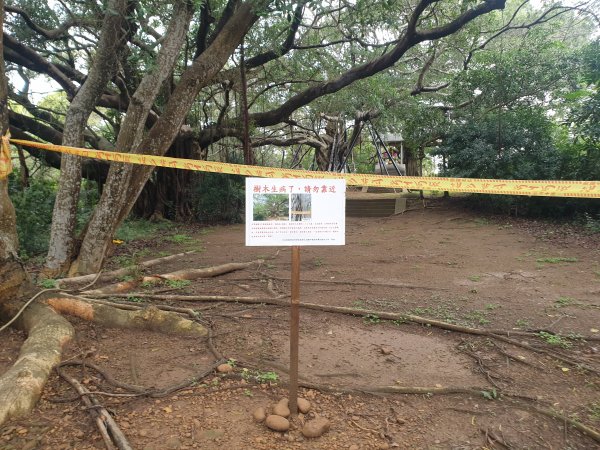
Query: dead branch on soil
x=149 y=318
x=110 y=431
x=565 y=419
x=494 y=334
x=350 y=283
x=141 y=391
x=73 y=281
x=22 y=384
x=187 y=274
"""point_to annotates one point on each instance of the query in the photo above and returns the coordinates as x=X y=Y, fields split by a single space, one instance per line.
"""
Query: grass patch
x=556 y=260
x=47 y=283
x=594 y=410
x=475 y=278
x=563 y=301
x=134 y=229
x=180 y=239
x=372 y=319
x=178 y=284
x=555 y=339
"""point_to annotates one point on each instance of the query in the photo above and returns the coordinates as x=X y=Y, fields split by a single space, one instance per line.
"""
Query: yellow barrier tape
x=5 y=161
x=554 y=188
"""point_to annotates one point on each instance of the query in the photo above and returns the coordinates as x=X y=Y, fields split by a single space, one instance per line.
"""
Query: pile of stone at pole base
x=313 y=426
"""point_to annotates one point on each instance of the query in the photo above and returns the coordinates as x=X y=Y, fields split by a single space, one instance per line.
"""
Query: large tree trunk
x=105 y=218
x=125 y=182
x=112 y=44
x=168 y=193
x=22 y=384
x=12 y=274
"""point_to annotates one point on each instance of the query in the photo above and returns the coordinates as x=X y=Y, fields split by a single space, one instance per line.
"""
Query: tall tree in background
x=180 y=88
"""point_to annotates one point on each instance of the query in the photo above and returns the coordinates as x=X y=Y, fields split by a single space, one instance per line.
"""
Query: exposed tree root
x=591 y=432
x=187 y=274
x=150 y=318
x=141 y=391
x=497 y=334
x=74 y=281
x=353 y=283
x=22 y=384
x=109 y=430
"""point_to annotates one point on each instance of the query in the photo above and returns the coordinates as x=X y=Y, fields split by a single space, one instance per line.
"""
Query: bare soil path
x=441 y=262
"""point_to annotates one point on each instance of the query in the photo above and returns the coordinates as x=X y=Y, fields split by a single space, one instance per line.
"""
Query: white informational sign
x=284 y=211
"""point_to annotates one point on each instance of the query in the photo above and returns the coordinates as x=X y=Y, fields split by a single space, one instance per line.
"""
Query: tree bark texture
x=150 y=318
x=111 y=47
x=125 y=183
x=22 y=384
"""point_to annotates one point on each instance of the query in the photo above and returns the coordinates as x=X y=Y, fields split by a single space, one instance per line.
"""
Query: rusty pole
x=294 y=330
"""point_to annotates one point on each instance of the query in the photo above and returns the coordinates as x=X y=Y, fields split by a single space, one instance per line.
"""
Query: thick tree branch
x=58 y=33
x=385 y=61
x=287 y=44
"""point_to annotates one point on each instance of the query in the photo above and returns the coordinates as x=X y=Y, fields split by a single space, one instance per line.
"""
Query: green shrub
x=219 y=198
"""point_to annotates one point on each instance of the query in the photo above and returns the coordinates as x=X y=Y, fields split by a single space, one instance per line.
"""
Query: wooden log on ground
x=74 y=281
x=186 y=274
x=149 y=318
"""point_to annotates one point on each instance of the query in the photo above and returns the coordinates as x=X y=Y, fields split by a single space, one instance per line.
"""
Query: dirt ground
x=441 y=262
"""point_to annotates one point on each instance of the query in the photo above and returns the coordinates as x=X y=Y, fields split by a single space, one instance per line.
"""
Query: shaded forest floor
x=442 y=262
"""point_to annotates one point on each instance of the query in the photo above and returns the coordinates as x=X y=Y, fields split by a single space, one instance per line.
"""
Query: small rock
x=281 y=408
x=316 y=427
x=384 y=446
x=353 y=447
x=143 y=433
x=172 y=443
x=211 y=435
x=385 y=350
x=224 y=368
x=259 y=414
x=277 y=423
x=30 y=445
x=303 y=405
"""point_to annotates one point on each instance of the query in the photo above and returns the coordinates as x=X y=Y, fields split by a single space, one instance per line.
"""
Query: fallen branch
x=69 y=282
x=150 y=318
x=352 y=283
x=380 y=314
x=22 y=384
x=565 y=419
x=140 y=391
x=187 y=274
x=110 y=431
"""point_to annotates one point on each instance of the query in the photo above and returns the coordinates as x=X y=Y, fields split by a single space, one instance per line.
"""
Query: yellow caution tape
x=5 y=161
x=552 y=188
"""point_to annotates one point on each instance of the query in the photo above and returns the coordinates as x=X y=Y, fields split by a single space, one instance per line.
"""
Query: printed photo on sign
x=282 y=211
x=300 y=210
x=271 y=207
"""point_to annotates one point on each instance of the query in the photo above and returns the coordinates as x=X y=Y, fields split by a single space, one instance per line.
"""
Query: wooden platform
x=366 y=204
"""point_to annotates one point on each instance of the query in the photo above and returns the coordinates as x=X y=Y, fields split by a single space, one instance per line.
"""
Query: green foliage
x=219 y=198
x=490 y=395
x=133 y=229
x=178 y=284
x=555 y=339
x=33 y=206
x=372 y=319
x=557 y=260
x=180 y=239
x=47 y=283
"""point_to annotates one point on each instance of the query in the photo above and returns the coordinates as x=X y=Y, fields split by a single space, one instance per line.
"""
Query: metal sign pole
x=294 y=330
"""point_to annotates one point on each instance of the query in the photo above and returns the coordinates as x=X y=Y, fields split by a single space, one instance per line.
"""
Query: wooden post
x=294 y=330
